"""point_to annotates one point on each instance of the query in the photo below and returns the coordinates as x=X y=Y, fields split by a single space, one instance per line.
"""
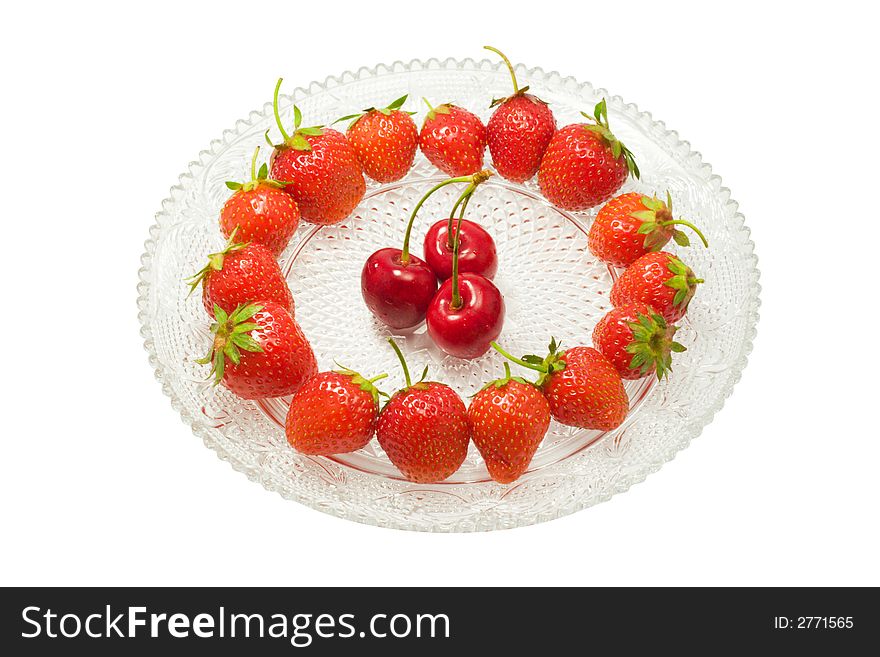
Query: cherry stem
x=455 y=304
x=404 y=255
x=450 y=241
x=275 y=110
x=682 y=222
x=464 y=206
x=402 y=361
x=518 y=361
x=509 y=67
x=254 y=164
x=477 y=179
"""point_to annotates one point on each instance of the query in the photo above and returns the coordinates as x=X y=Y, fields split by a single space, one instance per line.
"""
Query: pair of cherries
x=466 y=313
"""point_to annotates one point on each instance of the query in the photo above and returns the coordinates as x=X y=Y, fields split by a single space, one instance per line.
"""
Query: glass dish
x=551 y=282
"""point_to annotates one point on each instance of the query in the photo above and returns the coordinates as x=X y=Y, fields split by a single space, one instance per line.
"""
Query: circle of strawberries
x=316 y=174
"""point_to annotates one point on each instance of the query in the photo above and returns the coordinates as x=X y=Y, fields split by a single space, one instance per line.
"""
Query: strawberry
x=660 y=280
x=385 y=140
x=631 y=225
x=259 y=351
x=320 y=169
x=637 y=341
x=585 y=164
x=582 y=388
x=508 y=420
x=261 y=210
x=239 y=274
x=423 y=429
x=453 y=139
x=518 y=131
x=333 y=413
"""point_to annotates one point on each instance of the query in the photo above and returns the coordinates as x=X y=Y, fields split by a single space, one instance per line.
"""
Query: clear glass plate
x=551 y=283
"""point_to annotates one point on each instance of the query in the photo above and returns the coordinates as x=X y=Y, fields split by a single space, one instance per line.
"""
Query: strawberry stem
x=518 y=361
x=275 y=110
x=509 y=67
x=682 y=222
x=378 y=378
x=402 y=361
x=404 y=256
x=254 y=164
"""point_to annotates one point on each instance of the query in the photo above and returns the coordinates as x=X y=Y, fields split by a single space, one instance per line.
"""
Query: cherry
x=397 y=286
x=467 y=313
x=477 y=256
x=397 y=293
x=466 y=329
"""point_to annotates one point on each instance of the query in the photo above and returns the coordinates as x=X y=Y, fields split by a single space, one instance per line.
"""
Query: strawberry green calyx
x=517 y=90
x=652 y=345
x=394 y=106
x=658 y=224
x=365 y=384
x=297 y=140
x=215 y=261
x=232 y=334
x=682 y=281
x=600 y=117
x=434 y=111
x=409 y=384
x=546 y=366
x=260 y=177
x=507 y=378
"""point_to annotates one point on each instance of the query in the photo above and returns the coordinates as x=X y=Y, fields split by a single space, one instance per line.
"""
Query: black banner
x=319 y=621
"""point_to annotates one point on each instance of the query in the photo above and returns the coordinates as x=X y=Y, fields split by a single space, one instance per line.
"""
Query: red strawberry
x=239 y=274
x=631 y=225
x=518 y=131
x=261 y=211
x=585 y=164
x=637 y=341
x=453 y=139
x=259 y=351
x=508 y=420
x=660 y=280
x=320 y=169
x=385 y=141
x=333 y=413
x=581 y=386
x=423 y=429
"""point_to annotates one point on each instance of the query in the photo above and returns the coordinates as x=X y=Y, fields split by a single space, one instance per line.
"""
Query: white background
x=103 y=107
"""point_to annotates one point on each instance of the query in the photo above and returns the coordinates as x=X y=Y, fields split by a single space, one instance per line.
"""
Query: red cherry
x=477 y=250
x=397 y=294
x=398 y=287
x=466 y=329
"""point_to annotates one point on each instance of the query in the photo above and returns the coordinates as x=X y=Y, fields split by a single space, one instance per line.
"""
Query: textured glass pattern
x=551 y=282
